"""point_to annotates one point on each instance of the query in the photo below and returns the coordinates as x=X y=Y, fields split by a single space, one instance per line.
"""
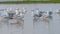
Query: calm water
x=50 y=26
x=8 y=27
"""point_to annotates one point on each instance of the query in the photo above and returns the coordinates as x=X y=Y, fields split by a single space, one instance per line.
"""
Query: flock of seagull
x=13 y=15
x=43 y=15
x=17 y=15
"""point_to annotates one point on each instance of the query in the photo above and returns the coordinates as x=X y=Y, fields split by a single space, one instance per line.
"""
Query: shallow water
x=50 y=26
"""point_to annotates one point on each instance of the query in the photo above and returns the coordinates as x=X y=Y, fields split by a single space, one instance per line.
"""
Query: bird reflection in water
x=42 y=19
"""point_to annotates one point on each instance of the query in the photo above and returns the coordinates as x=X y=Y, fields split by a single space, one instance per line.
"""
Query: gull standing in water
x=19 y=16
x=35 y=15
x=47 y=17
x=4 y=15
